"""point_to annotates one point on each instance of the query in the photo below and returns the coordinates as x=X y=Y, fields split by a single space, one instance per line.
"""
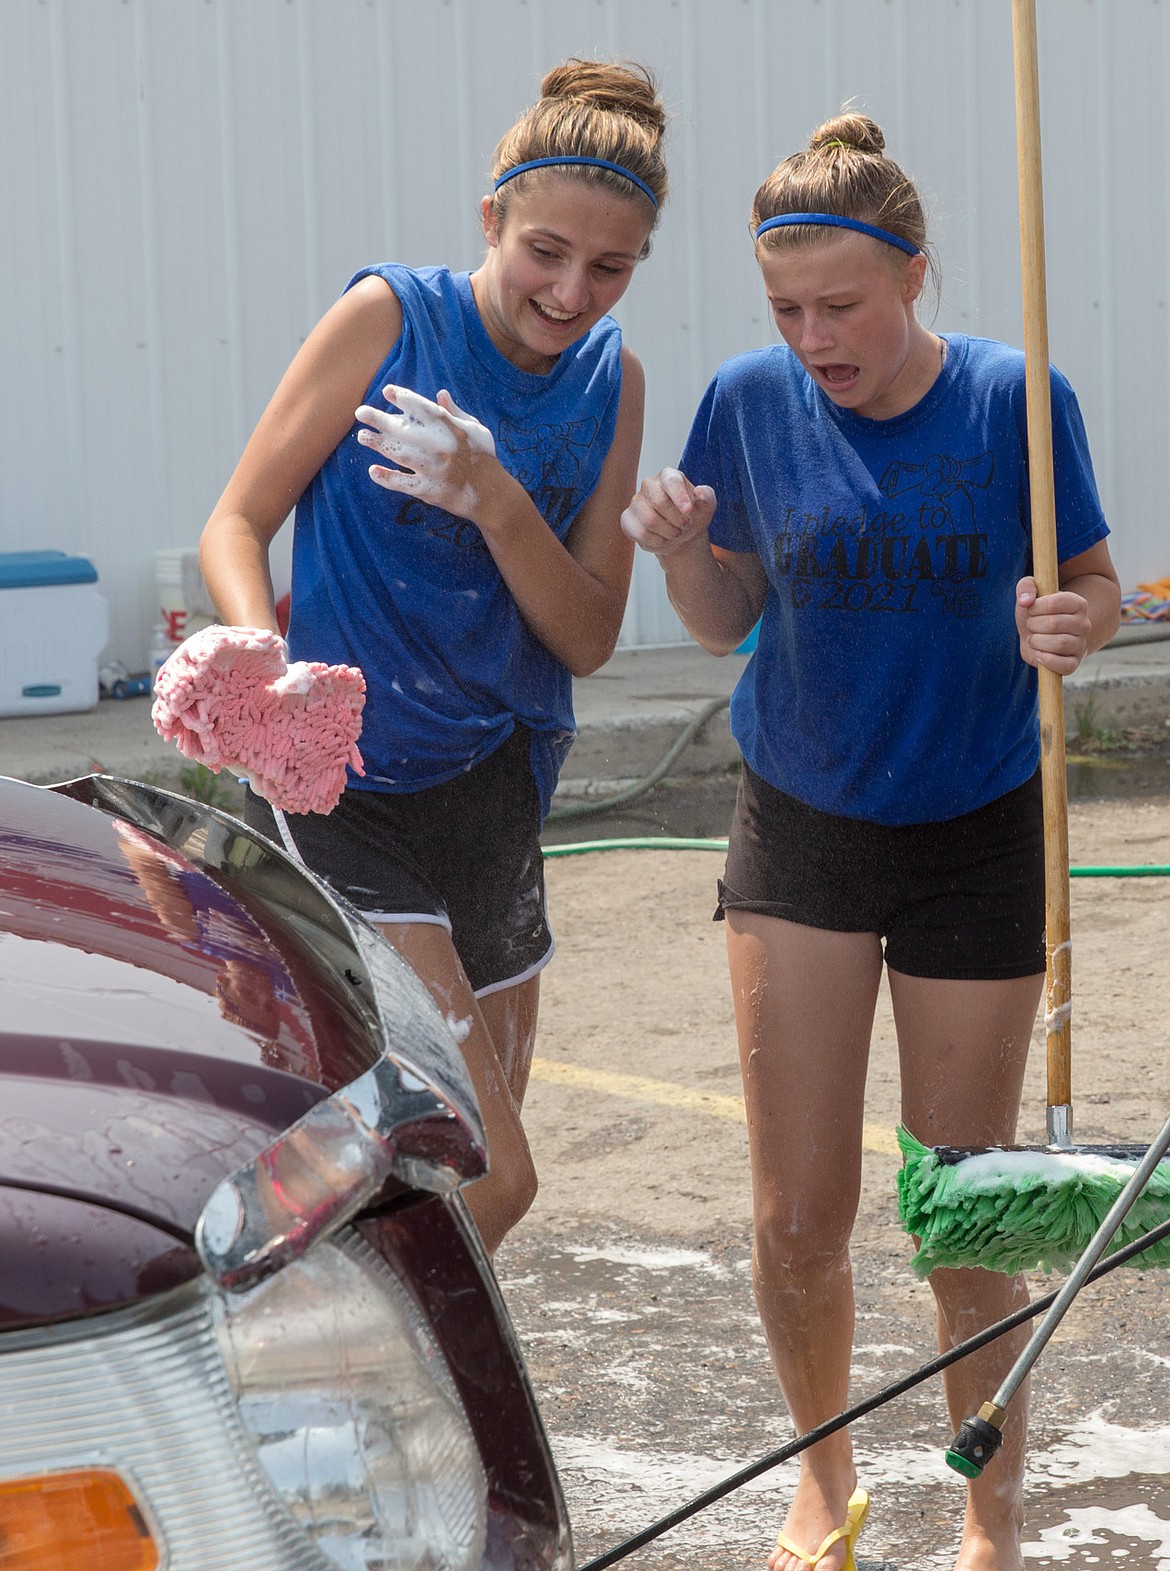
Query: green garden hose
x=638 y=788
x=676 y=843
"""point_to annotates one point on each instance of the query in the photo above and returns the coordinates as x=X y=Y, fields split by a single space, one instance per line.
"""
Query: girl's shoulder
x=429 y=287
x=996 y=367
x=986 y=357
x=433 y=304
x=766 y=360
x=772 y=369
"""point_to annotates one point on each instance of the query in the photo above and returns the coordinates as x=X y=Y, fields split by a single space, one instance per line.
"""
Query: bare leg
x=804 y=1005
x=963 y=1049
x=510 y=1014
x=498 y=1200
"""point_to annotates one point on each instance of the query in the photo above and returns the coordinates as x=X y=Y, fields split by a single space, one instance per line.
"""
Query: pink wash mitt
x=228 y=699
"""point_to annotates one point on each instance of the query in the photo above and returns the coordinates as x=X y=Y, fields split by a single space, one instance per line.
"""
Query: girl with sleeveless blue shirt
x=470 y=571
x=861 y=492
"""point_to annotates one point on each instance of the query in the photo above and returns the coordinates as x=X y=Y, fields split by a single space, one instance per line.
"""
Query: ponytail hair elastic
x=593 y=163
x=839 y=221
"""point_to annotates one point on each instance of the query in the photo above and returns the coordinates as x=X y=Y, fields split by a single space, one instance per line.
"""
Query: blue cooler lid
x=30 y=569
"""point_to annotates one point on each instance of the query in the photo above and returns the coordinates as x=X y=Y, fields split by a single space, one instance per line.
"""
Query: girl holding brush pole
x=861 y=491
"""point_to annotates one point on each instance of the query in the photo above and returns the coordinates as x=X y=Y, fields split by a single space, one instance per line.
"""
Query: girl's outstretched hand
x=668 y=514
x=1054 y=629
x=443 y=455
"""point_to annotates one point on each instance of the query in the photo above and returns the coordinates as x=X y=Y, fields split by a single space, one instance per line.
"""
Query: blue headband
x=836 y=221
x=593 y=163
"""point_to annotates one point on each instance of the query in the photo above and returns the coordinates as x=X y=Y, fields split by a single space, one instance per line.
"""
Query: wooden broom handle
x=1046 y=567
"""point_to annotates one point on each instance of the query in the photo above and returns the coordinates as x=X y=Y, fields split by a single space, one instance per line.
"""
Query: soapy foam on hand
x=423 y=441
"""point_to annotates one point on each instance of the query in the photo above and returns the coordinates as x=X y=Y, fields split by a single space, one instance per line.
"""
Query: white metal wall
x=185 y=185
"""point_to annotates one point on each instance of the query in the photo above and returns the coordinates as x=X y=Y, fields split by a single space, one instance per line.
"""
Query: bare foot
x=990 y=1549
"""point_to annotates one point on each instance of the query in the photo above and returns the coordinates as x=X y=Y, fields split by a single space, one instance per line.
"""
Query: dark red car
x=245 y=1321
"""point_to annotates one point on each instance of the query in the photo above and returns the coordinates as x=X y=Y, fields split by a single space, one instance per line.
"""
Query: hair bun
x=855 y=131
x=622 y=88
x=591 y=112
x=845 y=171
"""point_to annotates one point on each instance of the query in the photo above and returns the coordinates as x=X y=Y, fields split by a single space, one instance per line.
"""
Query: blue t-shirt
x=887 y=682
x=411 y=593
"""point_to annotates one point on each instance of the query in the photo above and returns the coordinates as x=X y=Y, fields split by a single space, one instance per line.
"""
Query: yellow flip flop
x=855 y=1516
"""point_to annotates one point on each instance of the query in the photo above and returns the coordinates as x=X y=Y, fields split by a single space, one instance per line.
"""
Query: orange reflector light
x=84 y=1520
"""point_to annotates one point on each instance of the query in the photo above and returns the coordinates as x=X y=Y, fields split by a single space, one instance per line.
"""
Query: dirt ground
x=630 y=1279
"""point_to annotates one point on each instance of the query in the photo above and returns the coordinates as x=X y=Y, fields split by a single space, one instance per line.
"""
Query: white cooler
x=54 y=625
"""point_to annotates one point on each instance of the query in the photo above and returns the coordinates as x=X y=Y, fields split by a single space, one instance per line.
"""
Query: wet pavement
x=655 y=1385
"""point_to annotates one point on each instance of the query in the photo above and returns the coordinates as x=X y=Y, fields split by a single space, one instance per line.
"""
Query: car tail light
x=85 y=1519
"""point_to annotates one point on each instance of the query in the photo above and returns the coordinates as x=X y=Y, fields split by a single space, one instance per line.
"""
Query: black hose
x=850 y=1415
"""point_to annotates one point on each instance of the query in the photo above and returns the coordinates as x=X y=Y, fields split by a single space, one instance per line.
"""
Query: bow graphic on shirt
x=547 y=455
x=940 y=477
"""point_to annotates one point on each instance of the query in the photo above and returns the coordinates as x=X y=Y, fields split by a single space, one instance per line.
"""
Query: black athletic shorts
x=961 y=899
x=465 y=854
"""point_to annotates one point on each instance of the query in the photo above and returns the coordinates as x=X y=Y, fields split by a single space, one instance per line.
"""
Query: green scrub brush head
x=1022 y=1210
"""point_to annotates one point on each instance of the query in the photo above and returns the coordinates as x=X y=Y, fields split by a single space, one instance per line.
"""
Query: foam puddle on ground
x=1098 y=1449
x=1097 y=1492
x=646 y=1259
x=1104 y=1533
x=1116 y=1531
x=1104 y=1536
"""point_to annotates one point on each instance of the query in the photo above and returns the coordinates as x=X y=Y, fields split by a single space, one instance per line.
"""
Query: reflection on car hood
x=174 y=994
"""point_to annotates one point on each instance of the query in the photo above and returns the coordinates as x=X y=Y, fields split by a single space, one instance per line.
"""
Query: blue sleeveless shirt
x=411 y=593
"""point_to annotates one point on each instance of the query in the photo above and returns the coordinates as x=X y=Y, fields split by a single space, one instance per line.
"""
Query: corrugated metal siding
x=187 y=184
